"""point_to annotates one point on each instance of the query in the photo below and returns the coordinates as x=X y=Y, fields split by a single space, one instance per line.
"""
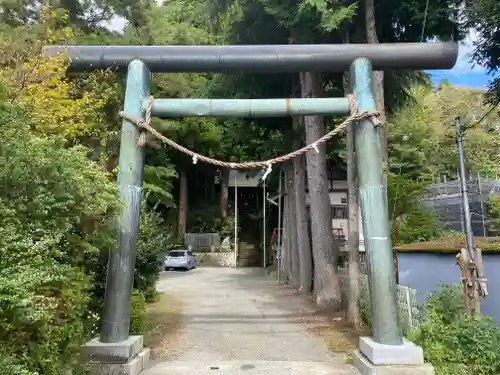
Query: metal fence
x=202 y=240
x=409 y=312
x=444 y=199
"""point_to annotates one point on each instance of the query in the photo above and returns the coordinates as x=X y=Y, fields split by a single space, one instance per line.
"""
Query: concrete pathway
x=237 y=321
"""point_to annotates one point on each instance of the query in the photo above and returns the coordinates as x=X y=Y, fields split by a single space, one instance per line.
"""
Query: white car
x=179 y=259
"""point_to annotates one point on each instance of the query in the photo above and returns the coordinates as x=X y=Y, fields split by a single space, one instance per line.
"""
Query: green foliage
x=422 y=136
x=365 y=308
x=411 y=222
x=333 y=13
x=205 y=218
x=158 y=185
x=58 y=217
x=152 y=241
x=138 y=316
x=56 y=213
x=494 y=214
x=454 y=343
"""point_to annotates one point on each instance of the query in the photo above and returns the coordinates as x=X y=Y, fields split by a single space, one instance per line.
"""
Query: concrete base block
x=133 y=367
x=365 y=367
x=379 y=354
x=147 y=361
x=118 y=352
x=127 y=357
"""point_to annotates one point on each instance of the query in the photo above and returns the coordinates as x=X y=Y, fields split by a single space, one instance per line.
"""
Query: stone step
x=238 y=367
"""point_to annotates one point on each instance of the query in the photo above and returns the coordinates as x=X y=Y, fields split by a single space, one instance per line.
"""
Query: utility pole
x=264 y=206
x=236 y=219
x=278 y=240
x=470 y=259
x=480 y=188
x=460 y=131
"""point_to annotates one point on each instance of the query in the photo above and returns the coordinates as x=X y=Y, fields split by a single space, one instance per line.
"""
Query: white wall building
x=338 y=200
x=337 y=191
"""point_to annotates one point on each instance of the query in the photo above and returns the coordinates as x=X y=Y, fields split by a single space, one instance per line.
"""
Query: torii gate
x=115 y=350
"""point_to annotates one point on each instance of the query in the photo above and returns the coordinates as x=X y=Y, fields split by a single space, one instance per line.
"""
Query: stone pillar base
x=128 y=357
x=377 y=359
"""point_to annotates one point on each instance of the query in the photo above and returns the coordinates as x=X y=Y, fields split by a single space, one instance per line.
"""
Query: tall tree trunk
x=304 y=247
x=183 y=202
x=378 y=82
x=285 y=253
x=224 y=192
x=294 y=274
x=353 y=315
x=353 y=292
x=326 y=281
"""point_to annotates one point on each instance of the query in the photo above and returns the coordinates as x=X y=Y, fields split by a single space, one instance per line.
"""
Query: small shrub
x=365 y=308
x=153 y=240
x=455 y=343
x=138 y=315
x=13 y=366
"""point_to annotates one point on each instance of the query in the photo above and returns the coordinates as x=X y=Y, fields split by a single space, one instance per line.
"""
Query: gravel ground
x=239 y=321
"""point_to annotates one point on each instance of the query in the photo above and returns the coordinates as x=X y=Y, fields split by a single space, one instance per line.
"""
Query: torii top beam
x=260 y=58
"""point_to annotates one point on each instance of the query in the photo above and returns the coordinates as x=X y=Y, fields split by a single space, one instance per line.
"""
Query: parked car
x=179 y=259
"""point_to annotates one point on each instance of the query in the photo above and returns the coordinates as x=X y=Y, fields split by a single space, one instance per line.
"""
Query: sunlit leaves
x=158 y=185
x=55 y=105
x=411 y=222
x=58 y=104
x=422 y=135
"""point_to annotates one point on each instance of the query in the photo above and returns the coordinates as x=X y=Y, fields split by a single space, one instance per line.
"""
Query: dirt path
x=238 y=321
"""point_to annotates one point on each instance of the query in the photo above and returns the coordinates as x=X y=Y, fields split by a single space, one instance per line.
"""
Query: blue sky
x=463 y=74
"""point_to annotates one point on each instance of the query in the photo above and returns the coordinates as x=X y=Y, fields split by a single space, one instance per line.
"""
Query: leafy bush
x=56 y=213
x=57 y=210
x=411 y=221
x=138 y=315
x=153 y=240
x=494 y=214
x=455 y=343
x=365 y=308
x=206 y=219
x=57 y=227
